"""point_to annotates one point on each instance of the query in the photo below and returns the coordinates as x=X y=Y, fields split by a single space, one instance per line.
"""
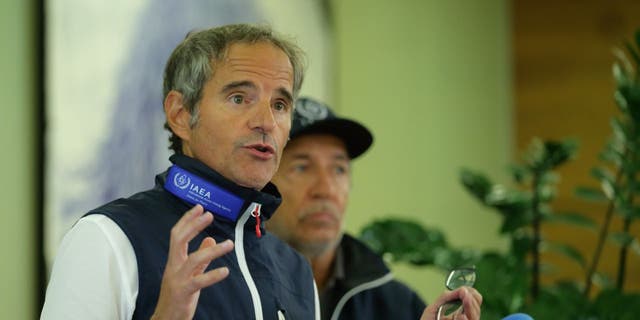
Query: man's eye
x=299 y=168
x=280 y=106
x=342 y=169
x=237 y=99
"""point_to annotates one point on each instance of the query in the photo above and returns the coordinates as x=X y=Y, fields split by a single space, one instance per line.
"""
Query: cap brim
x=355 y=136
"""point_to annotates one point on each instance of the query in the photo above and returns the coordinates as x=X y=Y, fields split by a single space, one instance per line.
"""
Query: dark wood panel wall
x=563 y=88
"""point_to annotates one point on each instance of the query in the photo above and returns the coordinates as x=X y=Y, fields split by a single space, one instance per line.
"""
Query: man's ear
x=178 y=117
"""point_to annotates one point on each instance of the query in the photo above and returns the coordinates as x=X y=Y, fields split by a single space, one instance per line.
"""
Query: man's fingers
x=471 y=299
x=431 y=310
x=477 y=296
x=194 y=211
x=210 y=277
x=207 y=242
x=191 y=223
x=200 y=259
x=447 y=296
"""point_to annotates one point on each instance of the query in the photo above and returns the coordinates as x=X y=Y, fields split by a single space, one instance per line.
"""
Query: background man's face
x=245 y=114
x=314 y=180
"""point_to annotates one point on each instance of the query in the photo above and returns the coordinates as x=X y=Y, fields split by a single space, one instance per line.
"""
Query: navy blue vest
x=283 y=277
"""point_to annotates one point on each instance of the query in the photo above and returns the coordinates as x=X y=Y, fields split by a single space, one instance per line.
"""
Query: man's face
x=244 y=114
x=314 y=180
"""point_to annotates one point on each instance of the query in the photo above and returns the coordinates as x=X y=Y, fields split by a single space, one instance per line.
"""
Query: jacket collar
x=359 y=263
x=269 y=197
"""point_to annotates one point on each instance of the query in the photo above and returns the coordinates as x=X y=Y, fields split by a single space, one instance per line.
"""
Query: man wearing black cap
x=314 y=180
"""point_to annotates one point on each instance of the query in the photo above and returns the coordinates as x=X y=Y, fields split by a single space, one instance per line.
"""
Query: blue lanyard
x=196 y=190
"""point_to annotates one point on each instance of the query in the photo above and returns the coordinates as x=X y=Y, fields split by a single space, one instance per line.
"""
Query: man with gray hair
x=194 y=246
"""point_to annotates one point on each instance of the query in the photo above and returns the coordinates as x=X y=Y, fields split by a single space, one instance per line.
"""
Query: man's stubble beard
x=312 y=250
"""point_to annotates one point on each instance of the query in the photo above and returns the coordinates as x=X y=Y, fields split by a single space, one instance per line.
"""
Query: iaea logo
x=181 y=180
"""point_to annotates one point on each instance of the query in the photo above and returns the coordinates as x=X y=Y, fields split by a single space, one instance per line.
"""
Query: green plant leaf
x=619 y=128
x=621 y=100
x=617 y=144
x=619 y=73
x=447 y=259
x=507 y=281
x=512 y=204
x=556 y=153
x=613 y=156
x=549 y=177
x=564 y=152
x=542 y=156
x=609 y=189
x=404 y=240
x=622 y=204
x=519 y=173
x=498 y=194
x=621 y=238
x=547 y=193
x=627 y=210
x=566 y=250
x=603 y=174
x=476 y=184
x=613 y=304
x=591 y=194
x=545 y=211
x=534 y=155
x=635 y=213
x=632 y=52
x=603 y=281
x=635 y=246
x=572 y=218
x=521 y=244
x=633 y=100
x=514 y=222
x=563 y=300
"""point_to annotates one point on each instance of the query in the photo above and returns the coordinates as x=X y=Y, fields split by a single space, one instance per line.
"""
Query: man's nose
x=324 y=185
x=263 y=118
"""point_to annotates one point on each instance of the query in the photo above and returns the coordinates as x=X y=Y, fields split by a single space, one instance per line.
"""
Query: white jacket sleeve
x=95 y=274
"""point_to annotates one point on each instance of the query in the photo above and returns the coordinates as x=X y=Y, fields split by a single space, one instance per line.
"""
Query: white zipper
x=242 y=261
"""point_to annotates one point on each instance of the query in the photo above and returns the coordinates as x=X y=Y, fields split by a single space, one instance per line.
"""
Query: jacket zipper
x=242 y=260
x=256 y=214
